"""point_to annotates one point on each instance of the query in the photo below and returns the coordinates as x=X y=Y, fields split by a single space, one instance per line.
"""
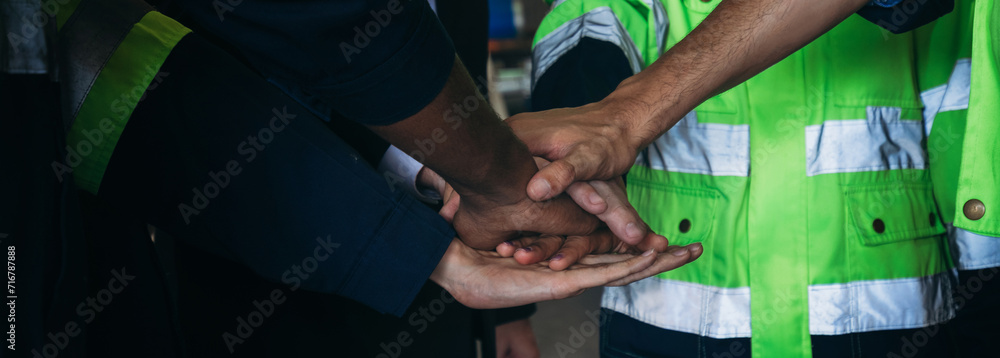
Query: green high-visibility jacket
x=112 y=51
x=808 y=185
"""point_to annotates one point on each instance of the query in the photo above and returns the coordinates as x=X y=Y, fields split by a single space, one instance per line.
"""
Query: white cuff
x=400 y=171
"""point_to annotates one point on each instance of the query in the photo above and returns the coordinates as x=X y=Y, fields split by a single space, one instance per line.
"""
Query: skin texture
x=735 y=42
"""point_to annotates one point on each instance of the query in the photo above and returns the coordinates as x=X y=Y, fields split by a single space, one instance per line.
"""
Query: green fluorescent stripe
x=64 y=11
x=778 y=245
x=116 y=91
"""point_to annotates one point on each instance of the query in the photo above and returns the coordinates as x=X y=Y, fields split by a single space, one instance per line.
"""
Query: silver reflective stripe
x=951 y=96
x=884 y=141
x=972 y=251
x=861 y=306
x=86 y=42
x=599 y=24
x=701 y=148
x=685 y=307
x=865 y=306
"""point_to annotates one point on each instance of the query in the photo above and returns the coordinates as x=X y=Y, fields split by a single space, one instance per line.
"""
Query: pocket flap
x=683 y=215
x=882 y=214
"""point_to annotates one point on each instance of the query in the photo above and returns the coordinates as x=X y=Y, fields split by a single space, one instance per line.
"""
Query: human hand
x=595 y=141
x=516 y=340
x=486 y=225
x=605 y=199
x=484 y=279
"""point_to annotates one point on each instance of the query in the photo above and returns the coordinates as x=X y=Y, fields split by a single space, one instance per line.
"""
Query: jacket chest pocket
x=683 y=215
x=883 y=214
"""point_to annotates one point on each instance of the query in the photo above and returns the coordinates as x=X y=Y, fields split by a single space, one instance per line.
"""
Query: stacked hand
x=604 y=199
x=485 y=279
x=606 y=243
x=596 y=141
x=622 y=232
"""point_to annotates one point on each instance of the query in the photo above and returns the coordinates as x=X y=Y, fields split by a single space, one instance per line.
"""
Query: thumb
x=554 y=178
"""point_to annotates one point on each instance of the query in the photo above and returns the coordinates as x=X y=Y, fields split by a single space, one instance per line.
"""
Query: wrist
x=634 y=111
x=501 y=178
x=445 y=272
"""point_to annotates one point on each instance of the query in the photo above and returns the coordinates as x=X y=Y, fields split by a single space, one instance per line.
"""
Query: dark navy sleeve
x=372 y=61
x=585 y=74
x=899 y=16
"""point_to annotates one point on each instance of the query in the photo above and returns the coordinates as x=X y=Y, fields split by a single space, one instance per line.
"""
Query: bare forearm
x=735 y=42
x=462 y=139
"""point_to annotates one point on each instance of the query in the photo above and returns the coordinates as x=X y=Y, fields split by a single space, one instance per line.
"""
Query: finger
x=428 y=177
x=619 y=215
x=539 y=250
x=587 y=197
x=675 y=257
x=577 y=280
x=602 y=259
x=557 y=176
x=652 y=241
x=450 y=206
x=573 y=249
x=507 y=248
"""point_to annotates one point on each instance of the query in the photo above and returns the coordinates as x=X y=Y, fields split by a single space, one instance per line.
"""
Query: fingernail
x=648 y=253
x=680 y=251
x=508 y=243
x=595 y=199
x=541 y=187
x=526 y=249
x=632 y=230
x=557 y=257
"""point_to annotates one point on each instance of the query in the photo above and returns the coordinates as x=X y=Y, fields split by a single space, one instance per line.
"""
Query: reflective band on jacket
x=884 y=141
x=951 y=96
x=700 y=148
x=108 y=74
x=716 y=312
x=599 y=24
x=972 y=251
